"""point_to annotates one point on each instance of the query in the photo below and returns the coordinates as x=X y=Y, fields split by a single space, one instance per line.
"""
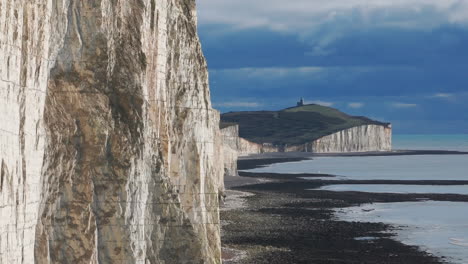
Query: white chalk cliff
x=365 y=138
x=109 y=147
x=231 y=148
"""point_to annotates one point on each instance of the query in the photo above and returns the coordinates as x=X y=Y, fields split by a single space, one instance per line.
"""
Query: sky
x=399 y=61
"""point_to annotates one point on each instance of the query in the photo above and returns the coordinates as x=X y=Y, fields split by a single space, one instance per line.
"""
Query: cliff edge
x=109 y=147
x=306 y=128
x=294 y=126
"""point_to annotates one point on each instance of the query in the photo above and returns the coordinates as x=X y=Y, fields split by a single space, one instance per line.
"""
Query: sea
x=440 y=228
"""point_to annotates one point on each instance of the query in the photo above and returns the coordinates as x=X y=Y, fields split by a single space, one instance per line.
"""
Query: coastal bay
x=284 y=221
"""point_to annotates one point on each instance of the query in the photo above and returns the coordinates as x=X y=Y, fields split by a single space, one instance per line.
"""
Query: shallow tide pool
x=440 y=228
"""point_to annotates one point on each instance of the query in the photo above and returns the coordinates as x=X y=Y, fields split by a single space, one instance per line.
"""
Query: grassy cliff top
x=293 y=126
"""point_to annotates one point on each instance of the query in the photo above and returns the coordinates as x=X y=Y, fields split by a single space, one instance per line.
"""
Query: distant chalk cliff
x=306 y=128
x=231 y=148
x=357 y=139
x=364 y=138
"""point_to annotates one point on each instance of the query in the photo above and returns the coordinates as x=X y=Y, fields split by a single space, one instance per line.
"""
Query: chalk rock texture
x=109 y=148
x=366 y=138
x=357 y=139
x=235 y=146
x=247 y=148
x=230 y=139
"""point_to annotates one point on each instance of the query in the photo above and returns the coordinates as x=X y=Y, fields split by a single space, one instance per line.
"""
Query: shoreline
x=285 y=222
x=254 y=161
x=308 y=155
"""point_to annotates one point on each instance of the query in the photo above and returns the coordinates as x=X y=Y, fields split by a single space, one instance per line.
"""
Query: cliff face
x=230 y=139
x=357 y=139
x=108 y=142
x=247 y=148
x=235 y=146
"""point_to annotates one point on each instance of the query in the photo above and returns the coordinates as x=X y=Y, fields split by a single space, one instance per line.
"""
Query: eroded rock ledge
x=109 y=147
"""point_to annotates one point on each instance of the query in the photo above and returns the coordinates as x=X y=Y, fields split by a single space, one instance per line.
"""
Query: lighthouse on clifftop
x=301 y=102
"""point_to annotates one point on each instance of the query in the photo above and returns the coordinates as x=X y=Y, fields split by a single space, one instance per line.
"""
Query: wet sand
x=280 y=221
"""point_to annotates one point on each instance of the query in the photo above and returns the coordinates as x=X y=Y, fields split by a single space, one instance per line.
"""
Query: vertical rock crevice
x=124 y=167
x=3 y=174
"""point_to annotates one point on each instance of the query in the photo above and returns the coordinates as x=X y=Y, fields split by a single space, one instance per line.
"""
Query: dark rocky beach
x=280 y=221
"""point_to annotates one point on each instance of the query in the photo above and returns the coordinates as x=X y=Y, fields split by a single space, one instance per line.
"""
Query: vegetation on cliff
x=293 y=126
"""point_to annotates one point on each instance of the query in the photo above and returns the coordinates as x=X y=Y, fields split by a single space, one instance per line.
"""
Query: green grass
x=293 y=126
x=226 y=124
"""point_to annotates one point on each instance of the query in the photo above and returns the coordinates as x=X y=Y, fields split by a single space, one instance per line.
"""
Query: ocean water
x=440 y=228
x=431 y=142
x=397 y=188
x=419 y=167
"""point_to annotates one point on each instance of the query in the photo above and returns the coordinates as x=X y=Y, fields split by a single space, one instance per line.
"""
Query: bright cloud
x=239 y=104
x=356 y=105
x=306 y=14
x=272 y=72
x=403 y=105
x=319 y=102
x=442 y=95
